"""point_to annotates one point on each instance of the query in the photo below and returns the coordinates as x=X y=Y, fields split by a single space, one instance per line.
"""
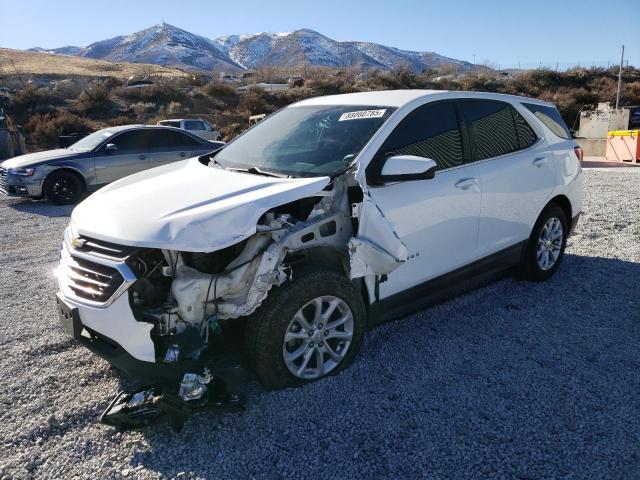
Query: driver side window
x=431 y=131
x=132 y=140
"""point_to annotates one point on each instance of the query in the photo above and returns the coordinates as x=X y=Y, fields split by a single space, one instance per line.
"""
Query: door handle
x=539 y=161
x=142 y=156
x=182 y=154
x=465 y=183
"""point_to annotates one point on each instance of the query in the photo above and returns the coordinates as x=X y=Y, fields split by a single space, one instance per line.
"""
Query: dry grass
x=17 y=62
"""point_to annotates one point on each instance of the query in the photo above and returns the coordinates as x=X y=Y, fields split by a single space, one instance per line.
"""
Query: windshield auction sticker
x=361 y=114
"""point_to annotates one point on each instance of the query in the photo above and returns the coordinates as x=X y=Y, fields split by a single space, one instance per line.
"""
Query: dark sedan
x=64 y=175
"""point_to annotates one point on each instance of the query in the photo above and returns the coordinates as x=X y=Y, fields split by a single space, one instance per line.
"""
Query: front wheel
x=546 y=245
x=306 y=329
x=63 y=188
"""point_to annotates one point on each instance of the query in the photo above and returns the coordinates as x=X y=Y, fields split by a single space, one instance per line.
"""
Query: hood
x=34 y=159
x=186 y=206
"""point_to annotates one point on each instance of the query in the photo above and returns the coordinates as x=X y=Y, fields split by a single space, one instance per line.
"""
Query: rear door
x=436 y=219
x=516 y=169
x=168 y=145
x=131 y=156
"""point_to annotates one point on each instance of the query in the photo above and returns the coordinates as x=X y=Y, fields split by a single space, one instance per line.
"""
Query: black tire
x=530 y=268
x=265 y=330
x=63 y=188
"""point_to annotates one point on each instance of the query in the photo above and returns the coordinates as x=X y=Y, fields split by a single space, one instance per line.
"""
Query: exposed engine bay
x=194 y=301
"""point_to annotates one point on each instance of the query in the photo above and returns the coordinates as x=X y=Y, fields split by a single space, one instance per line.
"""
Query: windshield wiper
x=257 y=171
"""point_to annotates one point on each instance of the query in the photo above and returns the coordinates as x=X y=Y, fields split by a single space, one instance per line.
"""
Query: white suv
x=324 y=218
x=195 y=126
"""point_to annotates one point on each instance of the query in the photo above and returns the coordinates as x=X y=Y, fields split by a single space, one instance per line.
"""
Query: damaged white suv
x=329 y=214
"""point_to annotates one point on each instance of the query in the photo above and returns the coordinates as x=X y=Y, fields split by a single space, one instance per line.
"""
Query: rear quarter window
x=551 y=118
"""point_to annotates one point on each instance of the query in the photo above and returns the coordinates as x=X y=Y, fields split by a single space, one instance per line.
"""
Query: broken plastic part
x=224 y=390
x=191 y=388
x=377 y=249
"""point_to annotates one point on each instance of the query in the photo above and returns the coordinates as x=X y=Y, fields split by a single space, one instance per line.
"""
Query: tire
x=536 y=267
x=63 y=187
x=266 y=329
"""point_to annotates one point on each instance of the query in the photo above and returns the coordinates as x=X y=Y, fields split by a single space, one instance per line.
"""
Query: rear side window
x=492 y=128
x=191 y=125
x=526 y=135
x=551 y=118
x=163 y=138
x=431 y=131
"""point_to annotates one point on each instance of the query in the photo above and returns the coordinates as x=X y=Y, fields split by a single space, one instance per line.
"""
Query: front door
x=131 y=155
x=436 y=219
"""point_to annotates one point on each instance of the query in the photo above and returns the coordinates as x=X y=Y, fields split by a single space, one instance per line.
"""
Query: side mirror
x=400 y=168
x=110 y=147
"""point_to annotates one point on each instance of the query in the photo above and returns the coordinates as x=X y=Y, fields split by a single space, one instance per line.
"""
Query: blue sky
x=503 y=32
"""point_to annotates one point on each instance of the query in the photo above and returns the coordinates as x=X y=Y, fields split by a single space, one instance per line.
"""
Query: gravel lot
x=514 y=380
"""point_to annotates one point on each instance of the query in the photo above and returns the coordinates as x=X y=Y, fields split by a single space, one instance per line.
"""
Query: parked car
x=318 y=222
x=196 y=126
x=64 y=175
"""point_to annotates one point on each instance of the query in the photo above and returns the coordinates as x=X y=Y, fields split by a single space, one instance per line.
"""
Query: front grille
x=92 y=281
x=103 y=249
x=3 y=180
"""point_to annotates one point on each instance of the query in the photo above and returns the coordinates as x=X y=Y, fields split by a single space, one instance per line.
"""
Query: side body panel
x=436 y=221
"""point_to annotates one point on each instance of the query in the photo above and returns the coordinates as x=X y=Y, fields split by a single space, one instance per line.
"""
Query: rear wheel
x=546 y=245
x=63 y=188
x=306 y=329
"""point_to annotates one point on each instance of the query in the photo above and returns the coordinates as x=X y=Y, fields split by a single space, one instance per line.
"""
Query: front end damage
x=172 y=319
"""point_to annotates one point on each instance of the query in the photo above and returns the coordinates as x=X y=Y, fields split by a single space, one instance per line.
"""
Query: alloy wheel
x=550 y=243
x=318 y=337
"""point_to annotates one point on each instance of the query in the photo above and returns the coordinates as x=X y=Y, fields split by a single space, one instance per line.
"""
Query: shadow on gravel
x=515 y=380
x=41 y=207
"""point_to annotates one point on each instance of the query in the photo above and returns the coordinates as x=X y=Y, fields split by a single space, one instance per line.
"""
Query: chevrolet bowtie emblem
x=78 y=242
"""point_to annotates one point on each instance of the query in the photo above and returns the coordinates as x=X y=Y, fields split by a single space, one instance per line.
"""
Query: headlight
x=22 y=172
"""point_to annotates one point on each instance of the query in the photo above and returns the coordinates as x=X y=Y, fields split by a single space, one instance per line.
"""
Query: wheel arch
x=563 y=202
x=66 y=169
x=327 y=258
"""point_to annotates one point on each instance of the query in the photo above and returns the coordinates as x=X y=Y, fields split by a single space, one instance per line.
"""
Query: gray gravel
x=515 y=380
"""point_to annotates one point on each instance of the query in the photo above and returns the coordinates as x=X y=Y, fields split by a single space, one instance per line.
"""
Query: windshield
x=91 y=141
x=305 y=141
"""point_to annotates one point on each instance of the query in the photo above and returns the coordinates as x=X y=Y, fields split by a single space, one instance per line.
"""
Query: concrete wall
x=593 y=147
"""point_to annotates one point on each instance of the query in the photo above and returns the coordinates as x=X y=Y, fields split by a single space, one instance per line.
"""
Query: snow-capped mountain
x=312 y=48
x=167 y=45
x=69 y=50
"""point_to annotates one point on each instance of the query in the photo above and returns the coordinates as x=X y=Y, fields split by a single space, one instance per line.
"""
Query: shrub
x=95 y=100
x=229 y=132
x=32 y=100
x=43 y=130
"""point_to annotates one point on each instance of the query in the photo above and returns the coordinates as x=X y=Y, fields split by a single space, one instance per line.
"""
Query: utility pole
x=620 y=78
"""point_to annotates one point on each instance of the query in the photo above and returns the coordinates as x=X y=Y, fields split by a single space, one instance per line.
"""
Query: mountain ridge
x=170 y=46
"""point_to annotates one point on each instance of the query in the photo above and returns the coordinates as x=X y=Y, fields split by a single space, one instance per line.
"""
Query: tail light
x=579 y=152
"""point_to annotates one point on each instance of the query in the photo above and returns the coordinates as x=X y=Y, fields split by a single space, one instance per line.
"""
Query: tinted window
x=168 y=139
x=132 y=140
x=492 y=128
x=191 y=125
x=551 y=118
x=526 y=135
x=431 y=131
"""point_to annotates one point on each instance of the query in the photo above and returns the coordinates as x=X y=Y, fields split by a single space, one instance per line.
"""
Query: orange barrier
x=623 y=146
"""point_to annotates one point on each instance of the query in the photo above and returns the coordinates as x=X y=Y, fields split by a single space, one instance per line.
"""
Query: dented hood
x=186 y=206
